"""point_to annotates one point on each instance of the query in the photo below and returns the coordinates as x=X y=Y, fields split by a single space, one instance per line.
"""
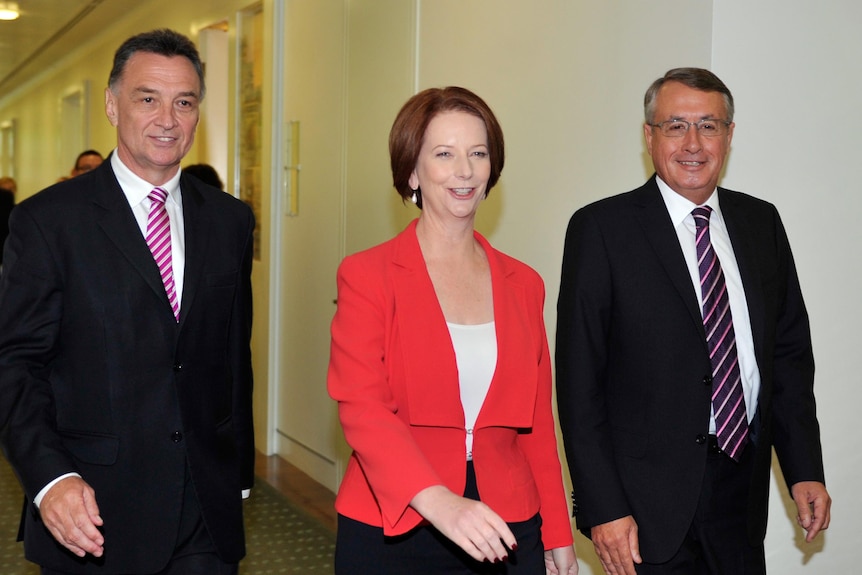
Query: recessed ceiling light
x=9 y=10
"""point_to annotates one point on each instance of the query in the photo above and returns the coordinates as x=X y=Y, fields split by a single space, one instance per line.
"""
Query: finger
x=92 y=507
x=803 y=512
x=503 y=534
x=610 y=560
x=491 y=546
x=479 y=542
x=493 y=536
x=634 y=548
x=818 y=521
x=85 y=535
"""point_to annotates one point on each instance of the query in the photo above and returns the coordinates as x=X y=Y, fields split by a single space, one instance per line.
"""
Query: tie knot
x=701 y=216
x=158 y=195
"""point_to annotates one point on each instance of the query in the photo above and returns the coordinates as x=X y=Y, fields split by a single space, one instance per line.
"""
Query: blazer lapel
x=740 y=239
x=652 y=215
x=429 y=359
x=115 y=218
x=197 y=231
x=512 y=396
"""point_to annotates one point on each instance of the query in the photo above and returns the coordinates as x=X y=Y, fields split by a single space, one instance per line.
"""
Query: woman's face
x=453 y=166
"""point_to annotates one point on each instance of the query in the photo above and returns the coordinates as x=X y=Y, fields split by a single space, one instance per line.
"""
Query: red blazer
x=392 y=370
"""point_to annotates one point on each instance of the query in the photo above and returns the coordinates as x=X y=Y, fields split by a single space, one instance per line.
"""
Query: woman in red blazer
x=441 y=370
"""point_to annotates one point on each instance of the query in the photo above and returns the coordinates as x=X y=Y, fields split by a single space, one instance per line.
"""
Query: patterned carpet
x=280 y=538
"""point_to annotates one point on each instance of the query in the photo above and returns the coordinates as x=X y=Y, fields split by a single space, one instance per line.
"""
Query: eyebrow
x=146 y=90
x=706 y=117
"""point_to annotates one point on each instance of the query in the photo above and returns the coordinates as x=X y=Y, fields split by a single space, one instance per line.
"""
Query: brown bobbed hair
x=408 y=132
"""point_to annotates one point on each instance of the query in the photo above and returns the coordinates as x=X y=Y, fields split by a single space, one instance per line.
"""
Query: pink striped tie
x=159 y=242
x=728 y=403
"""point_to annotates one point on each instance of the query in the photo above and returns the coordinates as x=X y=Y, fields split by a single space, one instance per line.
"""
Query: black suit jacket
x=633 y=367
x=98 y=378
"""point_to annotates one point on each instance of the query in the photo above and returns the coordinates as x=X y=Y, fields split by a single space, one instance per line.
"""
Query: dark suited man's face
x=690 y=165
x=155 y=110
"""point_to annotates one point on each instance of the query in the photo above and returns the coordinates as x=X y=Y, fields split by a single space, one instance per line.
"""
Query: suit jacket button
x=700 y=439
x=707 y=379
x=178 y=367
x=176 y=436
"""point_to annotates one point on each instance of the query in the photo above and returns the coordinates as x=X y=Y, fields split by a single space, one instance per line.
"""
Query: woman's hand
x=470 y=524
x=561 y=561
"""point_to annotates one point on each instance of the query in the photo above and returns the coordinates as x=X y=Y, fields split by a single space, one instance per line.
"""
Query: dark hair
x=205 y=173
x=163 y=42
x=408 y=132
x=87 y=153
x=695 y=78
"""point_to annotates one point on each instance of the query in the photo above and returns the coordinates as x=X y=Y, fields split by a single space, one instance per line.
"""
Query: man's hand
x=813 y=505
x=472 y=525
x=70 y=513
x=616 y=544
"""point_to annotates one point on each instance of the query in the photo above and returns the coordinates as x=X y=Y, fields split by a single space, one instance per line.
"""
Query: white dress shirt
x=679 y=209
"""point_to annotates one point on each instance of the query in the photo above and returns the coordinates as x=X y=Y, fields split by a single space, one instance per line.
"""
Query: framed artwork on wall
x=7 y=149
x=249 y=132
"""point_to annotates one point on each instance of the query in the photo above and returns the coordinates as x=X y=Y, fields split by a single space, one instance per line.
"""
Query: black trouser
x=362 y=548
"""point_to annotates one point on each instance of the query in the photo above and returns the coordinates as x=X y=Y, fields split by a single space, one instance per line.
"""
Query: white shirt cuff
x=41 y=494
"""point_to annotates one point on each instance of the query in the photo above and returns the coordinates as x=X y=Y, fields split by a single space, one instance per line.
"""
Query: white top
x=476 y=357
x=680 y=209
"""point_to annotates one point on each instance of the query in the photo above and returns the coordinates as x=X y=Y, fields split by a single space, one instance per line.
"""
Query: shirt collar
x=680 y=207
x=137 y=189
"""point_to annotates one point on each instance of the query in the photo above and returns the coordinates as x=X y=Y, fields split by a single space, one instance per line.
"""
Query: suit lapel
x=197 y=232
x=115 y=218
x=738 y=228
x=429 y=358
x=652 y=215
x=512 y=396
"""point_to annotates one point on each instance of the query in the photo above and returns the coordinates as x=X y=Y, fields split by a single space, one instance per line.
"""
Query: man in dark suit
x=130 y=424
x=666 y=478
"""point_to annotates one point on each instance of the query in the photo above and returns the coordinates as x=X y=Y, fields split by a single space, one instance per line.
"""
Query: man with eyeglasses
x=684 y=355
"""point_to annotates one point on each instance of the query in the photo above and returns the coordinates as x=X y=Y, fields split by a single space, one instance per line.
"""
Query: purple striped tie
x=159 y=241
x=728 y=403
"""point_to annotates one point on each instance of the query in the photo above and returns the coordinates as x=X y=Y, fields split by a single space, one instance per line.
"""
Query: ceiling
x=47 y=30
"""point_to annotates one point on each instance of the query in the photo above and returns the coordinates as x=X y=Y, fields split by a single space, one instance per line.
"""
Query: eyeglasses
x=679 y=128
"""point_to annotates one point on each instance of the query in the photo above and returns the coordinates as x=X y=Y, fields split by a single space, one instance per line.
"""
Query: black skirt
x=362 y=549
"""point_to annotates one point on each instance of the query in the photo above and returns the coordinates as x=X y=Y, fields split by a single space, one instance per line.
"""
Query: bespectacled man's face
x=691 y=165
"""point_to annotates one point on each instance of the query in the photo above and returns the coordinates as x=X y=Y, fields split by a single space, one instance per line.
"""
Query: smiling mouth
x=462 y=191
